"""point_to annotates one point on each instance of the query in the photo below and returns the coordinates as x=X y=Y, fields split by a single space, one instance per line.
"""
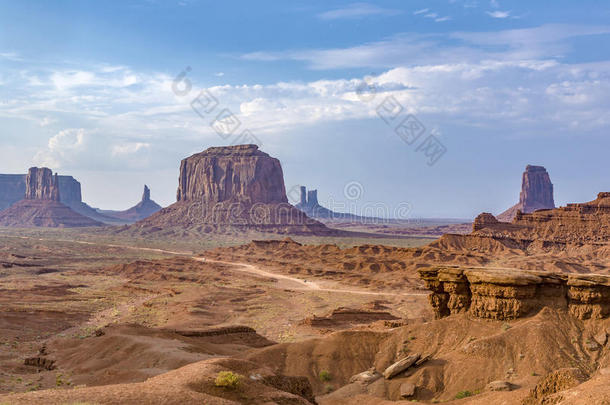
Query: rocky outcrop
x=510 y=294
x=40 y=184
x=583 y=223
x=145 y=208
x=41 y=205
x=309 y=204
x=228 y=190
x=239 y=173
x=536 y=193
x=483 y=220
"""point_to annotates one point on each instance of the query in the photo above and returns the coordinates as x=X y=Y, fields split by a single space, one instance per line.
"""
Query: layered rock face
x=536 y=193
x=69 y=190
x=510 y=294
x=40 y=184
x=239 y=173
x=582 y=223
x=231 y=189
x=13 y=189
x=41 y=205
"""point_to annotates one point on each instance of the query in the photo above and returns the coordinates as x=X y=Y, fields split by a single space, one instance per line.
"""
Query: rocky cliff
x=239 y=173
x=536 y=193
x=41 y=205
x=581 y=223
x=41 y=184
x=509 y=293
x=228 y=190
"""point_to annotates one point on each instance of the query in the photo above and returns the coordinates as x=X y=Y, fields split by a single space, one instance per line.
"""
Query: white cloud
x=422 y=11
x=441 y=19
x=62 y=148
x=129 y=148
x=499 y=14
x=116 y=117
x=357 y=10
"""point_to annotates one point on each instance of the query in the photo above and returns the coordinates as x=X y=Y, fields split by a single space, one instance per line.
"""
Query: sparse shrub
x=227 y=379
x=325 y=376
x=505 y=326
x=463 y=394
x=329 y=388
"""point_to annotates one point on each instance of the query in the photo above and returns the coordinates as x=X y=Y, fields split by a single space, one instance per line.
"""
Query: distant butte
x=536 y=193
x=145 y=208
x=230 y=189
x=41 y=205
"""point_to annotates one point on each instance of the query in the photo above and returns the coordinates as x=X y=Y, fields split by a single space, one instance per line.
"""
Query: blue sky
x=86 y=88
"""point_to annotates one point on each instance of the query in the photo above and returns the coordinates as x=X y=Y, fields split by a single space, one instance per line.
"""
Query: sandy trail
x=301 y=285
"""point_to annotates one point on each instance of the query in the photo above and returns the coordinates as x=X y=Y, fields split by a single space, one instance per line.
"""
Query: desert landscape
x=294 y=310
x=304 y=203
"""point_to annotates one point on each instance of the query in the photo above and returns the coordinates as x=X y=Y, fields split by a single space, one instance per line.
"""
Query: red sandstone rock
x=239 y=173
x=228 y=190
x=41 y=205
x=536 y=193
x=40 y=184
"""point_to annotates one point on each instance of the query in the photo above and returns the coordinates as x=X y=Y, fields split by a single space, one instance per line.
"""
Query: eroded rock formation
x=41 y=205
x=230 y=189
x=581 y=223
x=145 y=208
x=40 y=184
x=510 y=294
x=239 y=173
x=536 y=193
x=309 y=204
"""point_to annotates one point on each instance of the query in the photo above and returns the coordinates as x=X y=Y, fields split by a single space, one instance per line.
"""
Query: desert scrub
x=325 y=376
x=227 y=379
x=463 y=394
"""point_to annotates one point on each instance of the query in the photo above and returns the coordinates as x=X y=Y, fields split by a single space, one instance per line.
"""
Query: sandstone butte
x=41 y=205
x=230 y=189
x=536 y=193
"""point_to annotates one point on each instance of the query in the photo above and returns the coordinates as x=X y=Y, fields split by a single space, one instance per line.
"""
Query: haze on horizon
x=89 y=90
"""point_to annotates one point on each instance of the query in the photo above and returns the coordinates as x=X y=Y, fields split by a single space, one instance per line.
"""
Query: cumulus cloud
x=62 y=148
x=112 y=116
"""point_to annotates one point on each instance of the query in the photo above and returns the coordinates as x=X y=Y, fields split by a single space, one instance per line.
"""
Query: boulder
x=366 y=377
x=400 y=366
x=499 y=386
x=407 y=390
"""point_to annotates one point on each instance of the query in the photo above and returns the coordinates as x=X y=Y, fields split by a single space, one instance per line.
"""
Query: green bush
x=463 y=394
x=325 y=376
x=227 y=379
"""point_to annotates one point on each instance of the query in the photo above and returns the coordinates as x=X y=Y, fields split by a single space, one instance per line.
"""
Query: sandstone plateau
x=230 y=189
x=536 y=193
x=41 y=205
